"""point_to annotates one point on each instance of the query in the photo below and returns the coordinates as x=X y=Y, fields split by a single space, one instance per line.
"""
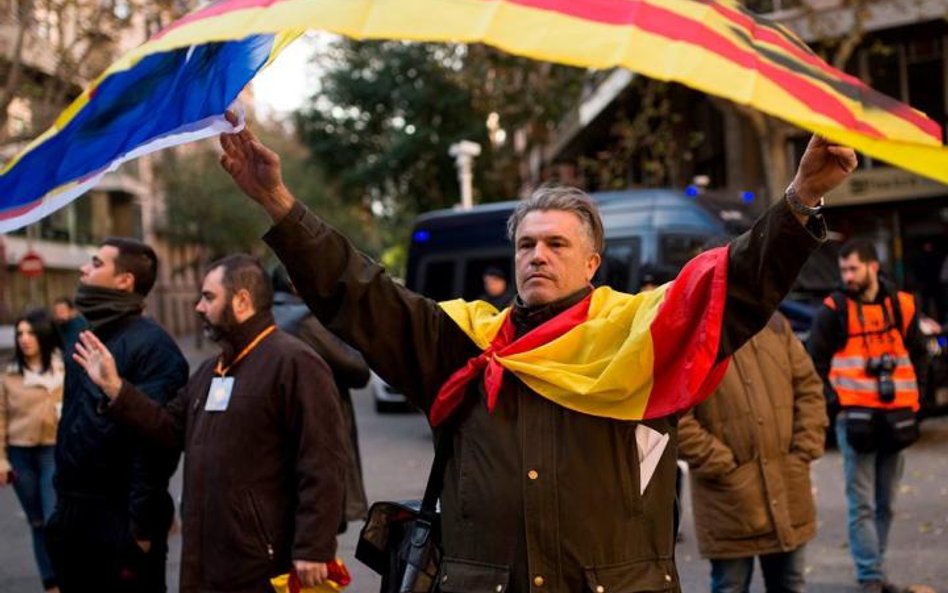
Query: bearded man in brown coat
x=749 y=447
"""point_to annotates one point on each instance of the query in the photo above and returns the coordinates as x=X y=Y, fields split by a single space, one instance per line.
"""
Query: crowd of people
x=564 y=407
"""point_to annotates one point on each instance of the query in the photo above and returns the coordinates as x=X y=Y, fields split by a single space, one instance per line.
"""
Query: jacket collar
x=526 y=318
x=243 y=334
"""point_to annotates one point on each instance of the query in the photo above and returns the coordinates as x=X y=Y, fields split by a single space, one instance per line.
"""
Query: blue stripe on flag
x=162 y=94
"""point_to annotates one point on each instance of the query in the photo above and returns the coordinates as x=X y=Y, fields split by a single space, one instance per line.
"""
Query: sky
x=287 y=83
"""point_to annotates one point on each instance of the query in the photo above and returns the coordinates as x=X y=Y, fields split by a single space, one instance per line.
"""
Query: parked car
x=387 y=399
x=663 y=229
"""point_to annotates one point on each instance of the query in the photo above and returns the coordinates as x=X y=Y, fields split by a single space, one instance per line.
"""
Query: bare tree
x=50 y=49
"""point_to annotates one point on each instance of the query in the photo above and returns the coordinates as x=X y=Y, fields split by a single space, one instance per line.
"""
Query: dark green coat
x=536 y=497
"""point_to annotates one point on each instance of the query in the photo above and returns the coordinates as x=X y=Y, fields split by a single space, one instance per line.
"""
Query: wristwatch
x=799 y=207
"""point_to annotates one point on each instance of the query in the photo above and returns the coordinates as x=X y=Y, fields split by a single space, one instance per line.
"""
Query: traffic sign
x=31 y=265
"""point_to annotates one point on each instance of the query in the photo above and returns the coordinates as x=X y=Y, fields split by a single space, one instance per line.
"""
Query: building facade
x=55 y=53
x=745 y=159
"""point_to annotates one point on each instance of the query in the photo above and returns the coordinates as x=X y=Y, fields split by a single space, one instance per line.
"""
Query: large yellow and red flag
x=175 y=87
x=614 y=355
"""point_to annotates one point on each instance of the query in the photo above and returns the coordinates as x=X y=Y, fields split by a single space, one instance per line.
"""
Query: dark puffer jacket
x=99 y=459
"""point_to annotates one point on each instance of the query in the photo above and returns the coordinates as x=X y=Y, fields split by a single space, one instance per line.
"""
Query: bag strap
x=443 y=452
x=842 y=318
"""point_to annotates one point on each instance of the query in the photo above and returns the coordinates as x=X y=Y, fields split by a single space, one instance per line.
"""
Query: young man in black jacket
x=110 y=528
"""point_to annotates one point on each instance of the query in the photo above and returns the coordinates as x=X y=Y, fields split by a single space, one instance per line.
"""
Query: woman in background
x=31 y=393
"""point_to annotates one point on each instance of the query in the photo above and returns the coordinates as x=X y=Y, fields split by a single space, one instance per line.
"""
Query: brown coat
x=29 y=409
x=536 y=497
x=749 y=447
x=263 y=480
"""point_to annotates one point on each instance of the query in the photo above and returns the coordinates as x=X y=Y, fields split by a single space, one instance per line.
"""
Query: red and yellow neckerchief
x=613 y=354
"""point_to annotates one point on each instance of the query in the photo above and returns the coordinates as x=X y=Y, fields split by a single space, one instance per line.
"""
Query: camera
x=882 y=367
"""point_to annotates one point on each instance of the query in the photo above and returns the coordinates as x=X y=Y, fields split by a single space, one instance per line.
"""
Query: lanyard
x=221 y=371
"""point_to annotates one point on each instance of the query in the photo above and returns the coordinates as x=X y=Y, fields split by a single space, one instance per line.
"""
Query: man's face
x=214 y=307
x=101 y=272
x=554 y=256
x=494 y=285
x=858 y=276
x=63 y=312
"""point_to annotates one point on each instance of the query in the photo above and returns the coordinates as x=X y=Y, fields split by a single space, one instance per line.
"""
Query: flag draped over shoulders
x=174 y=88
x=629 y=357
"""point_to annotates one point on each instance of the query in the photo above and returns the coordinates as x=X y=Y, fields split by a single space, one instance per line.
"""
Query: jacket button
x=533 y=475
x=499 y=588
x=538 y=581
x=668 y=578
x=600 y=589
x=444 y=579
x=760 y=420
x=764 y=460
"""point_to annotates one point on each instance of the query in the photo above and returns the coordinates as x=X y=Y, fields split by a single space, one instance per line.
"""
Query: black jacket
x=535 y=495
x=99 y=459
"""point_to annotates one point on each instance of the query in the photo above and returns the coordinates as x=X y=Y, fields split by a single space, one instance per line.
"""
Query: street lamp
x=464 y=153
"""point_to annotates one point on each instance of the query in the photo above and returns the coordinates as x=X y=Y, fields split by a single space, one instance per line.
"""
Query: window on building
x=925 y=71
x=768 y=6
x=438 y=280
x=675 y=250
x=474 y=273
x=620 y=265
x=883 y=69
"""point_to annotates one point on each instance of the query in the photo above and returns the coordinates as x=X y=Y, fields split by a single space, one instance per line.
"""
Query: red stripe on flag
x=20 y=210
x=867 y=94
x=686 y=336
x=678 y=28
x=216 y=9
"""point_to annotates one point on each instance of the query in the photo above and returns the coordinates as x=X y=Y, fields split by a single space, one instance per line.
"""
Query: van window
x=620 y=265
x=675 y=250
x=474 y=274
x=437 y=280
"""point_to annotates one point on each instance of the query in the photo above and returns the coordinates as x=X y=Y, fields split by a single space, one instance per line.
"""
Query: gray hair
x=566 y=199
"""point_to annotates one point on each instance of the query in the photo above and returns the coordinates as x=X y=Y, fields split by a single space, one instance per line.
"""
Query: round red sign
x=31 y=265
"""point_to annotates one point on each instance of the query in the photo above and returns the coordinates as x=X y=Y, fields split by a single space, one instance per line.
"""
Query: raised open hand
x=92 y=355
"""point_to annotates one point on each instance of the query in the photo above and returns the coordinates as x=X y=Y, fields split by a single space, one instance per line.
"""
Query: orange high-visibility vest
x=872 y=332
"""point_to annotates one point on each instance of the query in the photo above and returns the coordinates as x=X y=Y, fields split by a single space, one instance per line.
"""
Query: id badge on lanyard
x=218 y=396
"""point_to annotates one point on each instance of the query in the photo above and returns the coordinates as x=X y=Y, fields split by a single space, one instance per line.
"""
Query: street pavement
x=397 y=452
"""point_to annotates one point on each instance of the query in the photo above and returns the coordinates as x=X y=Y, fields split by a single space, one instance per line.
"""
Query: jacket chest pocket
x=639 y=576
x=468 y=576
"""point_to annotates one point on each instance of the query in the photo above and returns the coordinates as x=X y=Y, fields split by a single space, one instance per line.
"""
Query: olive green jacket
x=749 y=447
x=536 y=497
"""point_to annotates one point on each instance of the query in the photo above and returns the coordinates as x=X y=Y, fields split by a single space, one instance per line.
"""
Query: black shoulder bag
x=402 y=540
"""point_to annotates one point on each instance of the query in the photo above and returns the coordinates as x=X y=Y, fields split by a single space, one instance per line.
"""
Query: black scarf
x=101 y=306
x=526 y=318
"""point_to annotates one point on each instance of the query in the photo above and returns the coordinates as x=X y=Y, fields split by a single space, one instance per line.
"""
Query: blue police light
x=691 y=191
x=747 y=196
x=421 y=236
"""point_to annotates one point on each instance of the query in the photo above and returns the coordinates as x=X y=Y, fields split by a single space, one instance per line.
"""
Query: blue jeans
x=872 y=479
x=34 y=468
x=783 y=573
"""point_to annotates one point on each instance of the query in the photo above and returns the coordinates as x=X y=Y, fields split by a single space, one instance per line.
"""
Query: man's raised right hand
x=256 y=170
x=92 y=355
